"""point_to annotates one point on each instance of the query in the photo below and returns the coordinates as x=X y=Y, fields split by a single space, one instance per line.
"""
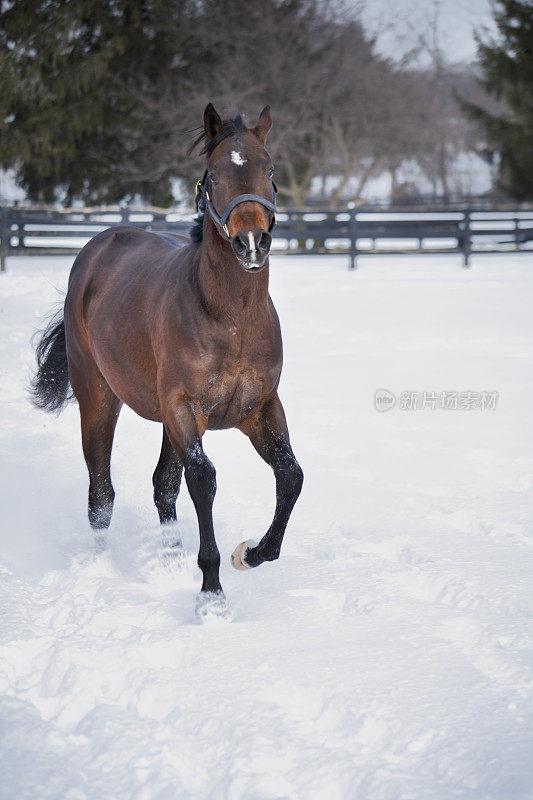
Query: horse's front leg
x=270 y=437
x=185 y=434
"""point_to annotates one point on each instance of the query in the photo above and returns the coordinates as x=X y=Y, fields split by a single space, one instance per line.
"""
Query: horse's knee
x=296 y=478
x=290 y=477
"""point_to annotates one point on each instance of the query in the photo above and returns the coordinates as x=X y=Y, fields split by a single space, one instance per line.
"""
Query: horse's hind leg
x=167 y=480
x=99 y=410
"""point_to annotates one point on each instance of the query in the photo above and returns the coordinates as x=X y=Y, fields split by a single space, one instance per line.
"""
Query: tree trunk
x=364 y=179
x=443 y=171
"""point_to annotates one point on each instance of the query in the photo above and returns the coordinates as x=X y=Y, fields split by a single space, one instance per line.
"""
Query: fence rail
x=350 y=232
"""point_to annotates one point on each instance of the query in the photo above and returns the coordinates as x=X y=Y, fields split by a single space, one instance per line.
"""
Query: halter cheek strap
x=203 y=201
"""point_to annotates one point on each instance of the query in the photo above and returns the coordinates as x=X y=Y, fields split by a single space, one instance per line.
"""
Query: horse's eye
x=213 y=178
x=270 y=173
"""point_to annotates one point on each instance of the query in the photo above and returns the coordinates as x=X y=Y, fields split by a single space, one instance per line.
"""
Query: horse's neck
x=225 y=286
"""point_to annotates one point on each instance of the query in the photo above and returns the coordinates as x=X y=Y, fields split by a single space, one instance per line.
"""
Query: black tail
x=50 y=387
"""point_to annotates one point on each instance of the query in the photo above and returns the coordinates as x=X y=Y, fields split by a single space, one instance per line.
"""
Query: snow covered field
x=386 y=656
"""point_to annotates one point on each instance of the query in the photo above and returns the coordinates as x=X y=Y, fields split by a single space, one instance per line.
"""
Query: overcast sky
x=400 y=23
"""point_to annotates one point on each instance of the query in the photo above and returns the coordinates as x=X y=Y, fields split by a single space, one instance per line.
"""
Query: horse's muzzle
x=252 y=248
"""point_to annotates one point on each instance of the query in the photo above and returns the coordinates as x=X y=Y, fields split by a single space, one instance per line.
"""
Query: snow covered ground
x=385 y=656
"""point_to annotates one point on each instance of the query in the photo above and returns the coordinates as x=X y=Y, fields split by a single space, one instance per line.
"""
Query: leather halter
x=203 y=201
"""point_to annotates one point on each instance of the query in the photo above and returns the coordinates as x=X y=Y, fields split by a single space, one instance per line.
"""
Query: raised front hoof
x=212 y=607
x=238 y=557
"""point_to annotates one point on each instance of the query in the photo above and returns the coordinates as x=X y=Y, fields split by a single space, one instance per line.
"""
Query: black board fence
x=350 y=232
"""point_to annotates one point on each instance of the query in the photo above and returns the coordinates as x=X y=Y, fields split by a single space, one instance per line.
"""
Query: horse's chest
x=229 y=398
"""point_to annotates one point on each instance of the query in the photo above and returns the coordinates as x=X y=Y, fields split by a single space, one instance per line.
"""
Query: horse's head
x=239 y=166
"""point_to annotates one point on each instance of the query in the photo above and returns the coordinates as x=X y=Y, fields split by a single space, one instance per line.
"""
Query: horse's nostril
x=264 y=241
x=240 y=245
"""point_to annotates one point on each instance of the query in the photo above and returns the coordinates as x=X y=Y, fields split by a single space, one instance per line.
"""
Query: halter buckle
x=198 y=193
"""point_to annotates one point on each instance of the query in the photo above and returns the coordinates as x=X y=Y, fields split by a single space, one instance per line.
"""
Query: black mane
x=230 y=127
x=196 y=231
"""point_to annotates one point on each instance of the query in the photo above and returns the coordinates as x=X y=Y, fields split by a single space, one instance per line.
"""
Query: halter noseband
x=203 y=201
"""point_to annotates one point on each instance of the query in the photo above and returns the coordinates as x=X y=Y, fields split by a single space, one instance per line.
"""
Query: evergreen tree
x=72 y=73
x=507 y=75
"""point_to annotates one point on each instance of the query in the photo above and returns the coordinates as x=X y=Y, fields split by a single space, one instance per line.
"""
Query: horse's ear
x=212 y=122
x=264 y=124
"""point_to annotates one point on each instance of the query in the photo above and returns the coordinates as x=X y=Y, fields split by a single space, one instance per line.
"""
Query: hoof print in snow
x=238 y=557
x=213 y=607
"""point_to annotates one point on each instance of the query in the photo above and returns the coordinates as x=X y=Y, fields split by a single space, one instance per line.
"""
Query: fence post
x=4 y=239
x=466 y=237
x=353 y=239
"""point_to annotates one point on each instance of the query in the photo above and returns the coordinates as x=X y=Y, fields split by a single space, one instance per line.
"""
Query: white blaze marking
x=252 y=244
x=237 y=158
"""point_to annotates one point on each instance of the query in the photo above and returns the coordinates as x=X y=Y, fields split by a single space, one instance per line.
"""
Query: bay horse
x=185 y=333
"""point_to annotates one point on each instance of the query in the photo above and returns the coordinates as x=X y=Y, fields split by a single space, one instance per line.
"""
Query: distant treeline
x=99 y=98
